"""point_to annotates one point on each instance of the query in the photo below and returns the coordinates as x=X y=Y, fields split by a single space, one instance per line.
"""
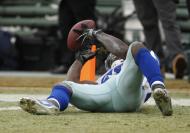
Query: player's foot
x=38 y=107
x=179 y=65
x=163 y=101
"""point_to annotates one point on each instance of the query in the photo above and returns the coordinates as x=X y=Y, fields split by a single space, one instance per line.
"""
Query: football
x=72 y=42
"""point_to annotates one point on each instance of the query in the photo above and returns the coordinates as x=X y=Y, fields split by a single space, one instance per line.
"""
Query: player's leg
x=56 y=102
x=95 y=98
x=89 y=97
x=149 y=66
x=139 y=61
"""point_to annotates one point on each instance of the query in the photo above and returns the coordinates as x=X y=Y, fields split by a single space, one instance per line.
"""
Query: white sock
x=157 y=82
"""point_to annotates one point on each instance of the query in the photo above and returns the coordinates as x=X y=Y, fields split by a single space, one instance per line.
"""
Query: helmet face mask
x=112 y=61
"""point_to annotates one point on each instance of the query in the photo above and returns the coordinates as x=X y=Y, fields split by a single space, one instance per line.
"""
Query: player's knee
x=135 y=48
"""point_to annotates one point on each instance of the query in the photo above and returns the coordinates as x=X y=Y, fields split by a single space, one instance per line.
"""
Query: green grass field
x=147 y=120
x=72 y=120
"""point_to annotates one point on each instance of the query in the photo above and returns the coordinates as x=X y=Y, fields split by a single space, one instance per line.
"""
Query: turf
x=147 y=120
x=8 y=104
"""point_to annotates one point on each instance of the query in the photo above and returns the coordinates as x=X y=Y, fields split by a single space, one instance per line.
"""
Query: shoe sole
x=163 y=102
x=33 y=107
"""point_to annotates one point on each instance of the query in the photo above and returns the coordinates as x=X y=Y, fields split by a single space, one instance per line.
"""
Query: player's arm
x=112 y=44
x=73 y=73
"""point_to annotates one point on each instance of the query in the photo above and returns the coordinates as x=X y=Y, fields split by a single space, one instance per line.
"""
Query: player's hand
x=86 y=34
x=85 y=54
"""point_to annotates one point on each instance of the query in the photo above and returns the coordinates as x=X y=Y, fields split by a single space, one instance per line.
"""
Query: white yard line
x=175 y=102
x=16 y=98
x=9 y=108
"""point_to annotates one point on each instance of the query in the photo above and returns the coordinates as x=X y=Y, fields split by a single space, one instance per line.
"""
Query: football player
x=120 y=89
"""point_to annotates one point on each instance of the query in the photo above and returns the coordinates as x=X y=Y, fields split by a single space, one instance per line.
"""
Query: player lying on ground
x=120 y=89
